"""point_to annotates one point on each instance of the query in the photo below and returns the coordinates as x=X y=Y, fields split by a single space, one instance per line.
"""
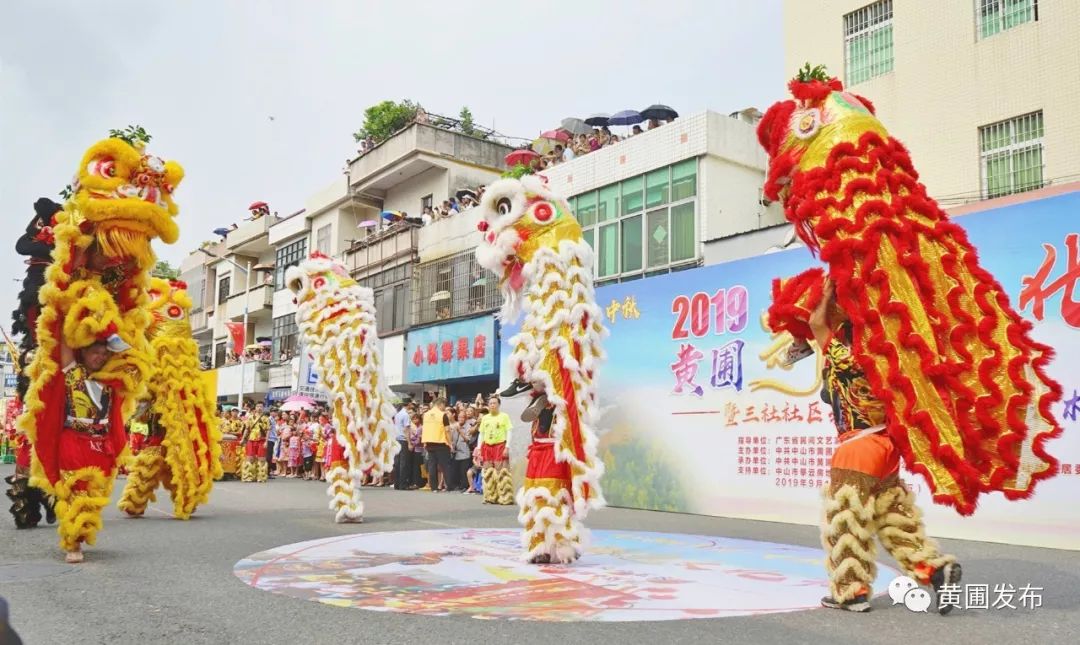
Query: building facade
x=682 y=195
x=982 y=92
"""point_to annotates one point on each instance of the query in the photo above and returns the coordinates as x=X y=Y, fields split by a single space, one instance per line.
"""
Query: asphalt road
x=159 y=581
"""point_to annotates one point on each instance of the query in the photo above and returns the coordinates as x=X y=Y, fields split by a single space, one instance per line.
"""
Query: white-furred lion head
x=322 y=288
x=517 y=218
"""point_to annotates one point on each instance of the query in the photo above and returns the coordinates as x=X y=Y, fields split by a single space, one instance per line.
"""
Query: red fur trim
x=812 y=91
x=867 y=196
x=792 y=302
x=773 y=126
x=865 y=101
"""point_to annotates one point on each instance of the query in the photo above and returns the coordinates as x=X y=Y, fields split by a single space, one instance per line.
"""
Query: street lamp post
x=247 y=292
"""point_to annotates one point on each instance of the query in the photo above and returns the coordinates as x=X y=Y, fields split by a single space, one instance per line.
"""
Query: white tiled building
x=684 y=194
x=982 y=92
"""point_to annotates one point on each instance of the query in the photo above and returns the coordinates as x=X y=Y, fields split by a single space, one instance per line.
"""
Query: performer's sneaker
x=515 y=388
x=50 y=513
x=946 y=575
x=859 y=603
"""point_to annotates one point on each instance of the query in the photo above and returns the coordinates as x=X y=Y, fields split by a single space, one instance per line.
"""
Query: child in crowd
x=294 y=455
x=307 y=446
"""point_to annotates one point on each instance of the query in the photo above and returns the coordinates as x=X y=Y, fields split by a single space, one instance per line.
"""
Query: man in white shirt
x=401 y=425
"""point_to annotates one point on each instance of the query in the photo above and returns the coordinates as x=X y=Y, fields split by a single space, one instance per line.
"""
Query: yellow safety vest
x=434 y=430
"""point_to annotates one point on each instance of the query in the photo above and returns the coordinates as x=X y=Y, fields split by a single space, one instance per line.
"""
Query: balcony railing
x=249 y=231
x=260 y=299
x=383 y=249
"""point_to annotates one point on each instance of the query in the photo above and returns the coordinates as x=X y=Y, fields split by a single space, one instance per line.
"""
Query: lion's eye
x=504 y=206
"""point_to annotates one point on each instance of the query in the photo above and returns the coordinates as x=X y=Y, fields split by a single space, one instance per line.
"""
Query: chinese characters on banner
x=725 y=312
x=453 y=350
x=792 y=461
x=1036 y=292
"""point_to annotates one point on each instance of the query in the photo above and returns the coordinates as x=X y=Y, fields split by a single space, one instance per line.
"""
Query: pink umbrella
x=557 y=135
x=368 y=223
x=524 y=157
x=297 y=403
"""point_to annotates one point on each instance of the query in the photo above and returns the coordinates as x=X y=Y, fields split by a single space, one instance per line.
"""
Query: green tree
x=467 y=125
x=165 y=271
x=518 y=171
x=384 y=119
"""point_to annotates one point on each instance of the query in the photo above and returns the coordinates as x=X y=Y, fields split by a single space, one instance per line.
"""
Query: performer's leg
x=262 y=469
x=344 y=492
x=143 y=478
x=901 y=531
x=848 y=537
x=249 y=471
x=25 y=501
x=552 y=533
x=505 y=484
x=80 y=497
x=489 y=479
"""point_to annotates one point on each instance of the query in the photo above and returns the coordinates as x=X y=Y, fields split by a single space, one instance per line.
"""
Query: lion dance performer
x=533 y=243
x=925 y=358
x=336 y=318
x=255 y=428
x=36 y=244
x=183 y=446
x=95 y=298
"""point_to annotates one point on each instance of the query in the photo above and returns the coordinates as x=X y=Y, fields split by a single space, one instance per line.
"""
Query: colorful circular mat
x=624 y=576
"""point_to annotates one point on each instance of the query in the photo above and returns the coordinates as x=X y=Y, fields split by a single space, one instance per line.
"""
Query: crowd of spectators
x=582 y=144
x=298 y=445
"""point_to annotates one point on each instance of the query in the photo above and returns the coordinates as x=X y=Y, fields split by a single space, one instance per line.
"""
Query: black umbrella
x=662 y=112
x=598 y=120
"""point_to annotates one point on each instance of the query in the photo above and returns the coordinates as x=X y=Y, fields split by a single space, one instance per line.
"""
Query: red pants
x=255 y=450
x=542 y=464
x=79 y=450
x=493 y=452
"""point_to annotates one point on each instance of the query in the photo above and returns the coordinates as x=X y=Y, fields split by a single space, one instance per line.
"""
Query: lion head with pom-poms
x=518 y=217
x=126 y=196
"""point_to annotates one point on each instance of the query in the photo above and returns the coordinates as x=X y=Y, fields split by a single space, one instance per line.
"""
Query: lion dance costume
x=254 y=429
x=533 y=243
x=95 y=290
x=183 y=447
x=336 y=318
x=932 y=363
x=36 y=244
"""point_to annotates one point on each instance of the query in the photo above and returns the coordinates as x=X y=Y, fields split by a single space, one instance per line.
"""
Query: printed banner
x=454 y=350
x=700 y=416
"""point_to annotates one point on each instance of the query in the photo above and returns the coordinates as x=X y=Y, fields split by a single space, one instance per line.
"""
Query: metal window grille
x=868 y=42
x=285 y=337
x=1011 y=153
x=219 y=354
x=288 y=256
x=451 y=287
x=995 y=16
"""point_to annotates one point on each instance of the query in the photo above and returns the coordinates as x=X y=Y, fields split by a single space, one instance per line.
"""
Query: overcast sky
x=205 y=77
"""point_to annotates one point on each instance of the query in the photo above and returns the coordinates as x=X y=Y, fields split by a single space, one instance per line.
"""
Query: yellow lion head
x=127 y=195
x=169 y=309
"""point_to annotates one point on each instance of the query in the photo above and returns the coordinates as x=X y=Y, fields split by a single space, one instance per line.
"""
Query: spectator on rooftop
x=653 y=123
x=421 y=115
x=637 y=130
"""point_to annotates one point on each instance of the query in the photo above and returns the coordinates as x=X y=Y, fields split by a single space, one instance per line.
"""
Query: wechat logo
x=906 y=591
